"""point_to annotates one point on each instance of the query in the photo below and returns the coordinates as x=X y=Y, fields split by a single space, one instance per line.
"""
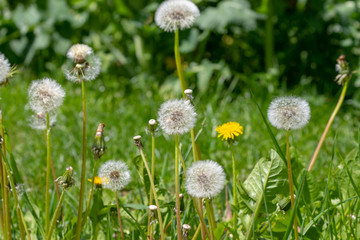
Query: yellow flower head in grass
x=98 y=181
x=229 y=130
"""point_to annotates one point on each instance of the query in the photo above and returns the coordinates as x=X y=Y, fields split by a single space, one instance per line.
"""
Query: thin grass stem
x=91 y=193
x=119 y=216
x=56 y=215
x=48 y=170
x=177 y=188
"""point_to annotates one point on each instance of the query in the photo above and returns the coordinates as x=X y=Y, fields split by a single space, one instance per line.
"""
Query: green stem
x=212 y=213
x=211 y=222
x=47 y=191
x=291 y=183
x=162 y=237
x=234 y=183
x=328 y=125
x=197 y=232
x=119 y=216
x=199 y=210
x=4 y=207
x=83 y=167
x=178 y=63
x=177 y=187
x=90 y=196
x=56 y=215
x=152 y=176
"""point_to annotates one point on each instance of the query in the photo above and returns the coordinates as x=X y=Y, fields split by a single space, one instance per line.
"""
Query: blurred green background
x=270 y=47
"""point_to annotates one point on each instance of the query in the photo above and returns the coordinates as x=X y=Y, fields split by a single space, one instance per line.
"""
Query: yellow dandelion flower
x=98 y=181
x=229 y=130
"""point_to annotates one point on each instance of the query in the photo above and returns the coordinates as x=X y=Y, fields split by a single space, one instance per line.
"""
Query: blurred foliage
x=226 y=45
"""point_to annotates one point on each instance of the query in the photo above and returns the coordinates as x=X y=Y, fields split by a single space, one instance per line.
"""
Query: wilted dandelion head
x=45 y=95
x=172 y=15
x=229 y=130
x=289 y=113
x=205 y=179
x=82 y=64
x=176 y=116
x=38 y=121
x=115 y=175
x=4 y=69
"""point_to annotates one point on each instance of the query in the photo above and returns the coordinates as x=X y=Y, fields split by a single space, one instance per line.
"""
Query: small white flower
x=172 y=15
x=115 y=175
x=45 y=95
x=205 y=179
x=82 y=64
x=289 y=113
x=38 y=121
x=176 y=116
x=4 y=68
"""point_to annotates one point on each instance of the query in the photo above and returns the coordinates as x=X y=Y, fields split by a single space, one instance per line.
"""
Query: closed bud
x=152 y=127
x=98 y=148
x=66 y=180
x=186 y=229
x=188 y=94
x=137 y=141
x=342 y=67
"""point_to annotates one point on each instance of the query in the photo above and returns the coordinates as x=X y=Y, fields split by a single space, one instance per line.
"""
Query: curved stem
x=162 y=236
x=177 y=188
x=47 y=191
x=119 y=216
x=90 y=196
x=291 y=184
x=149 y=232
x=328 y=125
x=234 y=183
x=83 y=167
x=178 y=63
x=56 y=215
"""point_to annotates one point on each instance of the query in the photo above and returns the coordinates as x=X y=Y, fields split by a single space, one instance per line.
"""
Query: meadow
x=128 y=93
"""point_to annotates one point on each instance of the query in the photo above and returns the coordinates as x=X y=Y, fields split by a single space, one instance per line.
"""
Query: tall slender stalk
x=119 y=216
x=162 y=236
x=328 y=125
x=83 y=167
x=177 y=188
x=211 y=222
x=291 y=184
x=234 y=183
x=178 y=62
x=152 y=176
x=56 y=215
x=47 y=191
x=91 y=193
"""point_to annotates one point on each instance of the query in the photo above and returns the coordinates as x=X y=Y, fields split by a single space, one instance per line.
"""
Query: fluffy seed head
x=172 y=15
x=115 y=175
x=4 y=68
x=205 y=179
x=82 y=64
x=45 y=95
x=176 y=116
x=289 y=113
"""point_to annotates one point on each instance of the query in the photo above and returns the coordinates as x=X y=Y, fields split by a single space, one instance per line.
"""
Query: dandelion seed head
x=4 y=68
x=205 y=179
x=38 y=121
x=82 y=64
x=115 y=175
x=289 y=113
x=176 y=116
x=45 y=95
x=172 y=15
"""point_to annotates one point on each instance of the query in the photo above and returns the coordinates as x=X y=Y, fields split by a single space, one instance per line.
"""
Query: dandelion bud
x=138 y=143
x=98 y=147
x=45 y=95
x=342 y=67
x=173 y=15
x=205 y=179
x=188 y=94
x=152 y=127
x=115 y=175
x=67 y=180
x=289 y=113
x=153 y=214
x=4 y=69
x=186 y=229
x=176 y=116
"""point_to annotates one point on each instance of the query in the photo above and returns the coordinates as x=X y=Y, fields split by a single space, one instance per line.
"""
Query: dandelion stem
x=56 y=215
x=83 y=167
x=47 y=191
x=178 y=63
x=150 y=232
x=291 y=184
x=234 y=183
x=119 y=216
x=211 y=223
x=196 y=232
x=91 y=193
x=328 y=125
x=162 y=237
x=177 y=189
